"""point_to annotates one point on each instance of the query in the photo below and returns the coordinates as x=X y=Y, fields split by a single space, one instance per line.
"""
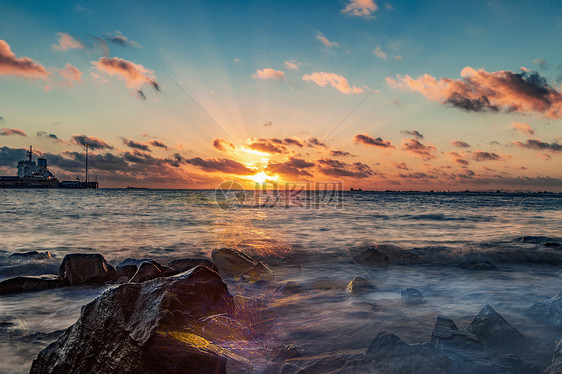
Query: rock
x=287 y=352
x=146 y=271
x=359 y=285
x=130 y=266
x=477 y=264
x=181 y=265
x=461 y=346
x=411 y=294
x=80 y=268
x=372 y=256
x=511 y=364
x=231 y=262
x=549 y=310
x=33 y=255
x=259 y=272
x=150 y=327
x=30 y=283
x=553 y=245
x=289 y=288
x=556 y=364
x=493 y=330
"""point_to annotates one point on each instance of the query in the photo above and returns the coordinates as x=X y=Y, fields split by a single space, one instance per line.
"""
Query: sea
x=318 y=233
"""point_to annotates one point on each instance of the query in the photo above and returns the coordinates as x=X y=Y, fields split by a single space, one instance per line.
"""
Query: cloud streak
x=523 y=128
x=369 y=140
x=10 y=132
x=337 y=81
x=22 y=67
x=539 y=145
x=91 y=141
x=66 y=42
x=135 y=75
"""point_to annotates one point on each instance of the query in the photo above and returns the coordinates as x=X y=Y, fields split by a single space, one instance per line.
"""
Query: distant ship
x=33 y=174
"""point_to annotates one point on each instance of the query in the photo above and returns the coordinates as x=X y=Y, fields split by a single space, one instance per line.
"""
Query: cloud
x=223 y=165
x=292 y=64
x=369 y=140
x=293 y=141
x=414 y=146
x=271 y=146
x=294 y=168
x=66 y=42
x=44 y=134
x=315 y=142
x=158 y=144
x=401 y=165
x=417 y=175
x=335 y=168
x=1 y=119
x=341 y=154
x=337 y=81
x=379 y=53
x=542 y=63
x=539 y=145
x=523 y=128
x=135 y=75
x=71 y=74
x=222 y=145
x=120 y=40
x=268 y=124
x=8 y=132
x=268 y=73
x=459 y=158
x=486 y=156
x=93 y=142
x=415 y=133
x=23 y=67
x=135 y=145
x=460 y=144
x=11 y=156
x=325 y=41
x=481 y=91
x=360 y=8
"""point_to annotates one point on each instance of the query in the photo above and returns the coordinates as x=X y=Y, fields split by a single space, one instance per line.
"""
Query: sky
x=378 y=95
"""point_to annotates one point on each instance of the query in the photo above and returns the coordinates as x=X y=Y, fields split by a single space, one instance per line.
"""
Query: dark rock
x=553 y=245
x=411 y=294
x=150 y=327
x=493 y=330
x=289 y=288
x=231 y=262
x=556 y=364
x=437 y=358
x=30 y=283
x=477 y=264
x=80 y=268
x=511 y=364
x=33 y=255
x=372 y=256
x=146 y=271
x=461 y=346
x=181 y=265
x=287 y=352
x=359 y=285
x=259 y=272
x=549 y=310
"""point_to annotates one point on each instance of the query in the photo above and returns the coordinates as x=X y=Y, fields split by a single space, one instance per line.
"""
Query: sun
x=262 y=177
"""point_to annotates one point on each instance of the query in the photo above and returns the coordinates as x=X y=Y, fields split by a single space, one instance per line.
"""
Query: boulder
x=493 y=330
x=150 y=327
x=259 y=272
x=30 y=283
x=33 y=255
x=556 y=364
x=359 y=285
x=477 y=264
x=146 y=271
x=181 y=265
x=549 y=310
x=232 y=263
x=411 y=294
x=372 y=256
x=130 y=266
x=82 y=268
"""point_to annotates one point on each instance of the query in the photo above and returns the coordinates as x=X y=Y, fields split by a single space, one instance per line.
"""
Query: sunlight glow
x=262 y=177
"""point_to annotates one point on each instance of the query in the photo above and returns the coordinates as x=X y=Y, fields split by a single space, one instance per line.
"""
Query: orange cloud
x=416 y=147
x=325 y=41
x=268 y=73
x=91 y=141
x=479 y=91
x=460 y=144
x=523 y=128
x=539 y=145
x=369 y=140
x=294 y=168
x=135 y=75
x=23 y=67
x=66 y=42
x=292 y=64
x=360 y=8
x=223 y=165
x=271 y=146
x=486 y=156
x=222 y=145
x=8 y=132
x=335 y=168
x=71 y=74
x=337 y=81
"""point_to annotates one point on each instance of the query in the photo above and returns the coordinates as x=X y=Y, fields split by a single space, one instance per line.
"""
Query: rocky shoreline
x=194 y=315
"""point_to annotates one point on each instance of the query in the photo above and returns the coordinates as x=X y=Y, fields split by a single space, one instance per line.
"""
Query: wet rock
x=30 y=283
x=553 y=245
x=477 y=264
x=511 y=364
x=33 y=255
x=130 y=266
x=549 y=310
x=493 y=330
x=232 y=263
x=150 y=327
x=289 y=288
x=146 y=271
x=556 y=364
x=80 y=268
x=461 y=346
x=411 y=294
x=372 y=256
x=359 y=285
x=181 y=265
x=259 y=272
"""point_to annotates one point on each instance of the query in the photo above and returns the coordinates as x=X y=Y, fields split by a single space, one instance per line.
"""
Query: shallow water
x=320 y=235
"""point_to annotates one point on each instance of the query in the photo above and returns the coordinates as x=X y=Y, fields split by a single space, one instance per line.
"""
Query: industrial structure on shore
x=33 y=174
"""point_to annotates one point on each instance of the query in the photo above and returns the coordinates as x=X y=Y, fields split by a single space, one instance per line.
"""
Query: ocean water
x=307 y=237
